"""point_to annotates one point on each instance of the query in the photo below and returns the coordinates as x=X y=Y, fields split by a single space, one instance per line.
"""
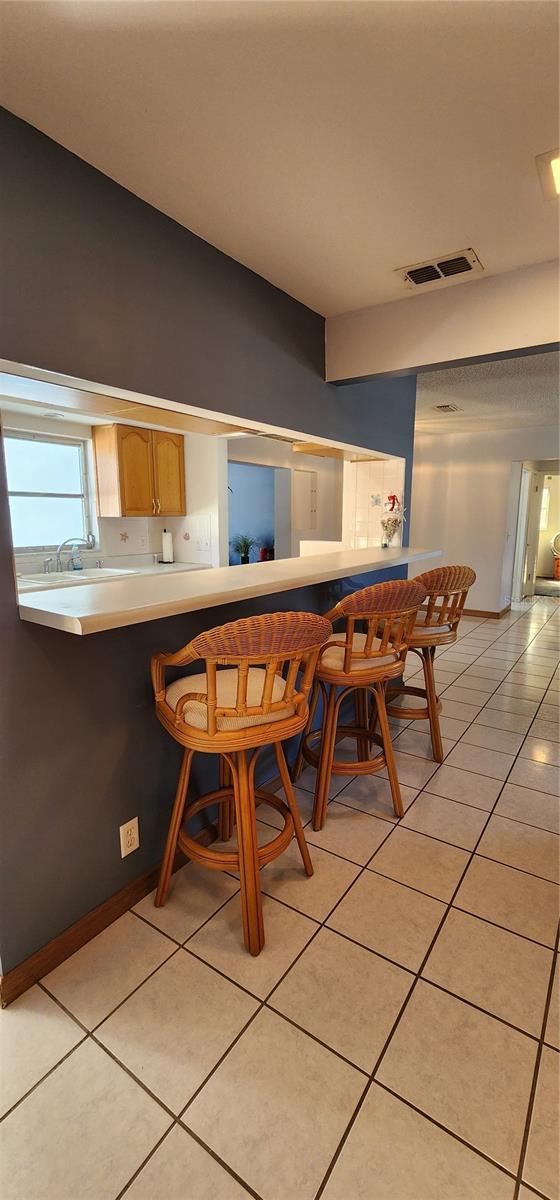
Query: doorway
x=538 y=521
x=260 y=512
x=547 y=576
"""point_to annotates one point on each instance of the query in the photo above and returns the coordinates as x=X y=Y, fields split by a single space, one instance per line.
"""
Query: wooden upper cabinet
x=136 y=471
x=169 y=473
x=140 y=472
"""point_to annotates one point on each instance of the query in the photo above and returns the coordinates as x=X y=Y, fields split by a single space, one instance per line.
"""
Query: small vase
x=384 y=542
x=243 y=558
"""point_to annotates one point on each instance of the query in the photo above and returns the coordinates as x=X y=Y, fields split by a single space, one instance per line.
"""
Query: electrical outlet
x=130 y=837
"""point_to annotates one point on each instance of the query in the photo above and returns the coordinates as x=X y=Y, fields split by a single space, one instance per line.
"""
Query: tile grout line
x=38 y=1083
x=407 y=1000
x=289 y=969
x=145 y=1161
x=444 y=1129
x=277 y=984
x=536 y=1072
x=394 y=1027
x=175 y=1119
x=322 y=924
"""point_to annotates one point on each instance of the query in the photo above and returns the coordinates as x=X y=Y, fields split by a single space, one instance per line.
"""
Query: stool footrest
x=228 y=860
x=368 y=766
x=415 y=712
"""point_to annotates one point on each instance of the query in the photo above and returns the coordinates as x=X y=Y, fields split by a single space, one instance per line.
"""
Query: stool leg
x=428 y=655
x=292 y=805
x=299 y=763
x=227 y=808
x=174 y=829
x=379 y=692
x=361 y=717
x=251 y=902
x=328 y=738
x=373 y=718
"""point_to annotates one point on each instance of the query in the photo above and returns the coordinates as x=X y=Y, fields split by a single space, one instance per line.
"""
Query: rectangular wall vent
x=438 y=271
x=446 y=408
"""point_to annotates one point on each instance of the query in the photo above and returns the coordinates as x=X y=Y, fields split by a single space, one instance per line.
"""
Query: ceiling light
x=548 y=167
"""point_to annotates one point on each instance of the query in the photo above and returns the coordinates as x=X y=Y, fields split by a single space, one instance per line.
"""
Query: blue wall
x=251 y=505
x=97 y=284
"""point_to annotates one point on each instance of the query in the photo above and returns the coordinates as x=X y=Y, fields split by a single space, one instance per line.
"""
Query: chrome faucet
x=88 y=542
x=47 y=565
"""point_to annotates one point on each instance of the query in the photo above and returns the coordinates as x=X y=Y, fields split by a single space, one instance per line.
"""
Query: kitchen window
x=47 y=489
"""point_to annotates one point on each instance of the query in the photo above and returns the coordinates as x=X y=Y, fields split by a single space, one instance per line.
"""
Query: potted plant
x=242 y=545
x=266 y=553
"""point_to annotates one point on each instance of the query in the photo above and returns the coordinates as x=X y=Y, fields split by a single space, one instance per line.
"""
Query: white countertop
x=90 y=608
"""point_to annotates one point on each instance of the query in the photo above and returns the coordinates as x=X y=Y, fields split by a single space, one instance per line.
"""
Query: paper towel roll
x=167 y=547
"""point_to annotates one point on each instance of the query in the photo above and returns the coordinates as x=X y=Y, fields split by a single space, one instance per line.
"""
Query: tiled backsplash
x=366 y=488
x=122 y=541
x=129 y=535
x=192 y=537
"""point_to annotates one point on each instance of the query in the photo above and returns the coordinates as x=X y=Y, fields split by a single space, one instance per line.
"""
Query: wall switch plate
x=130 y=837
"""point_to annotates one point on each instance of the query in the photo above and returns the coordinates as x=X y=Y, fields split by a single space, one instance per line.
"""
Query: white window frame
x=83 y=495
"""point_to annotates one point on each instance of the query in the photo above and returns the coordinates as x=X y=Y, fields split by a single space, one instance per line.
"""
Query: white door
x=521 y=536
x=532 y=539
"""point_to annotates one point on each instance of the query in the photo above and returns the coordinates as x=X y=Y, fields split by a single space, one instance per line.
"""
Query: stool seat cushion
x=195 y=712
x=420 y=627
x=333 y=657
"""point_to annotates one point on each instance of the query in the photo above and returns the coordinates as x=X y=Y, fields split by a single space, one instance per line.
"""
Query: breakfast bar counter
x=91 y=608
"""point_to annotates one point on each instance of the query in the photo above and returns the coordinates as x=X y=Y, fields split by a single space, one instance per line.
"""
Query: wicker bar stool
x=257 y=702
x=362 y=664
x=446 y=589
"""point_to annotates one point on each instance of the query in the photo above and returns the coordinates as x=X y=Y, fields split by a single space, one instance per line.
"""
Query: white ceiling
x=513 y=393
x=322 y=143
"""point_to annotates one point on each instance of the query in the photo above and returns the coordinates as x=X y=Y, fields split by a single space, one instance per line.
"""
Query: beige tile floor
x=397 y=1039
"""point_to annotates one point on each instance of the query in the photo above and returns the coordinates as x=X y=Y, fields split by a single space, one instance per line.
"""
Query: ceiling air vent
x=423 y=274
x=447 y=408
x=454 y=266
x=434 y=273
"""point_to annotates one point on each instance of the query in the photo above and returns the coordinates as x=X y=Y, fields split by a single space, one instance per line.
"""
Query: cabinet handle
x=158 y=506
x=153 y=506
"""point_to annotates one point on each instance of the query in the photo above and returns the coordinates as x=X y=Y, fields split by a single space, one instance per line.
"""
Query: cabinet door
x=136 y=474
x=169 y=473
x=305 y=501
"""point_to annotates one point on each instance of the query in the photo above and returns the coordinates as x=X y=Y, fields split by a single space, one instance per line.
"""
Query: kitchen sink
x=31 y=582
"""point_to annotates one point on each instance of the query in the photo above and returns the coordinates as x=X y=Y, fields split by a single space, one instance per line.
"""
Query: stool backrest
x=283 y=643
x=388 y=610
x=446 y=590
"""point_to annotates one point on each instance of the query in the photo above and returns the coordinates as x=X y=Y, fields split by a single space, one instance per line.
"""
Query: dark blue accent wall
x=97 y=284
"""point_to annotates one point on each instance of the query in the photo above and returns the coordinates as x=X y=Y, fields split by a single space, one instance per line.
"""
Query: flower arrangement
x=394 y=515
